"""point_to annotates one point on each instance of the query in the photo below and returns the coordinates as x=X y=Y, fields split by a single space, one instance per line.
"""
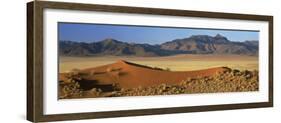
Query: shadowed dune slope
x=131 y=75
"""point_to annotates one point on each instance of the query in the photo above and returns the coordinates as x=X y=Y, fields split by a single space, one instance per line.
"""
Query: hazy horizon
x=81 y=32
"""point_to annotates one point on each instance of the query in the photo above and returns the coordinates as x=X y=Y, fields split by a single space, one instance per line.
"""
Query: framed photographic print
x=97 y=61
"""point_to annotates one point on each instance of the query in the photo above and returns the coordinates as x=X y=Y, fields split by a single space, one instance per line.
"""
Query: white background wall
x=13 y=61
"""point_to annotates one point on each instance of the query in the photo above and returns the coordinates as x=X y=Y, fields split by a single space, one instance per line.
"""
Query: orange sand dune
x=130 y=75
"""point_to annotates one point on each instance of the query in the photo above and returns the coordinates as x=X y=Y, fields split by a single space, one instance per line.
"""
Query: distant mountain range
x=196 y=44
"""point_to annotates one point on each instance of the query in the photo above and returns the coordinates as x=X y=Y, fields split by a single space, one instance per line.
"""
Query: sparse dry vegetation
x=232 y=80
x=70 y=89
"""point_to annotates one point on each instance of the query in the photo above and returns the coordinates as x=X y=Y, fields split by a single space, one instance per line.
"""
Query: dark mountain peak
x=220 y=37
x=205 y=44
x=198 y=38
x=109 y=40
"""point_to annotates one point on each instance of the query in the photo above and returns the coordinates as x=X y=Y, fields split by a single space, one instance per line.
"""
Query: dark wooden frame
x=35 y=60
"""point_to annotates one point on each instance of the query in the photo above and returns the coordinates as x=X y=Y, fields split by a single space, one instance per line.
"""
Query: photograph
x=109 y=60
x=90 y=60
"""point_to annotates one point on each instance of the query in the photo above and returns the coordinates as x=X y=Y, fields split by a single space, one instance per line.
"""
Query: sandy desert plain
x=115 y=76
x=174 y=63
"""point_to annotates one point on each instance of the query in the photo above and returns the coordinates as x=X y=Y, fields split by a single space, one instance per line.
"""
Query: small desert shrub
x=70 y=87
x=122 y=90
x=95 y=91
x=236 y=72
x=70 y=90
x=116 y=86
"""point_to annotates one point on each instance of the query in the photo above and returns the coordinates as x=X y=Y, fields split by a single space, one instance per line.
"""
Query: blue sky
x=142 y=34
